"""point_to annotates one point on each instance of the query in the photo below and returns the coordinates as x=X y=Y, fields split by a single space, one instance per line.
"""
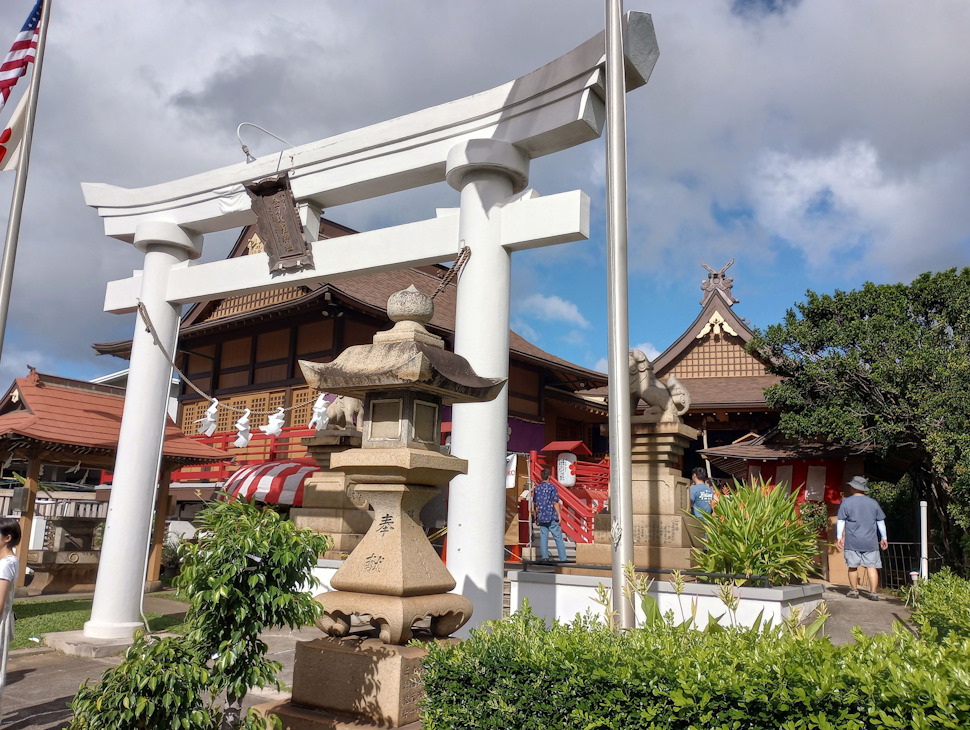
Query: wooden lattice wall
x=717 y=356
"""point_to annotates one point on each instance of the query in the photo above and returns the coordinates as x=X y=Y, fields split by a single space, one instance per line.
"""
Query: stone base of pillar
x=352 y=683
x=298 y=718
x=662 y=534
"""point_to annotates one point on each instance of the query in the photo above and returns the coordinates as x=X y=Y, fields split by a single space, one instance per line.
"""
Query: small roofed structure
x=50 y=420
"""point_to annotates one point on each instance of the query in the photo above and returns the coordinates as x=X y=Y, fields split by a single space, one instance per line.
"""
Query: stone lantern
x=394 y=579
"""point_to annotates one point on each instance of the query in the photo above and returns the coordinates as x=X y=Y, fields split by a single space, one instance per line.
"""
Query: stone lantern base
x=352 y=683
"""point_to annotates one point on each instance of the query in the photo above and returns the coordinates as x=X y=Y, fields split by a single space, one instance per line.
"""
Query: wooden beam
x=158 y=535
x=31 y=483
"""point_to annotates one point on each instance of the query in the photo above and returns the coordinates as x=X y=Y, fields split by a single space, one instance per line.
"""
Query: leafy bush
x=942 y=605
x=158 y=684
x=521 y=674
x=249 y=571
x=756 y=531
x=815 y=516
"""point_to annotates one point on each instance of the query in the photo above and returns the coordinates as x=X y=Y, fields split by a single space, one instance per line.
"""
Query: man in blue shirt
x=702 y=496
x=860 y=517
x=547 y=509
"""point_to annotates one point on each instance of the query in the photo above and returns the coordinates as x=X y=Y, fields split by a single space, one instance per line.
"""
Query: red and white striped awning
x=272 y=482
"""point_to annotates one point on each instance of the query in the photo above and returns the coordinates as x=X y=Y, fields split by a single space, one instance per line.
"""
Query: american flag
x=21 y=53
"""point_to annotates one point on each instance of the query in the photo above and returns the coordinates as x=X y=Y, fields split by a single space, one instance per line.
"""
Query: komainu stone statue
x=666 y=402
x=345 y=412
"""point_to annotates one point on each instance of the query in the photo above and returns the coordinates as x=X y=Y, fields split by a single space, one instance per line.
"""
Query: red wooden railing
x=581 y=503
x=287 y=445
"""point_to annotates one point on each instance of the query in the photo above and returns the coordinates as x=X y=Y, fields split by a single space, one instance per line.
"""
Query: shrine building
x=244 y=351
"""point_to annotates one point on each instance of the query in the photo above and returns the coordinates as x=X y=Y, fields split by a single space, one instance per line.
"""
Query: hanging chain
x=143 y=312
x=455 y=269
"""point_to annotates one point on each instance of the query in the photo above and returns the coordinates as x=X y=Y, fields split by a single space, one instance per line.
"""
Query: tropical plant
x=815 y=516
x=250 y=570
x=885 y=369
x=756 y=532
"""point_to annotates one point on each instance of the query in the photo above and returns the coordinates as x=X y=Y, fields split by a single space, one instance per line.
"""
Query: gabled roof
x=73 y=418
x=715 y=305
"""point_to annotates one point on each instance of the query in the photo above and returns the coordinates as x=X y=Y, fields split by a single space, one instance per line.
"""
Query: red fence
x=581 y=503
x=288 y=445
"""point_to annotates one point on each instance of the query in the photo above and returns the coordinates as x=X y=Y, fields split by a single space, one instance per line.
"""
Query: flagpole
x=20 y=185
x=621 y=476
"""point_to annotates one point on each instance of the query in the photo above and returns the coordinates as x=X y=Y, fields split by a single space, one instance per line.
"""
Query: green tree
x=248 y=571
x=885 y=368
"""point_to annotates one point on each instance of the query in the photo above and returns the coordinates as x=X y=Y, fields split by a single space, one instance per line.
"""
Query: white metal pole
x=20 y=184
x=116 y=611
x=924 y=541
x=621 y=477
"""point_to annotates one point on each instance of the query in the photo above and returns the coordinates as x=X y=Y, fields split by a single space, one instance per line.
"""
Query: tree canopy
x=885 y=367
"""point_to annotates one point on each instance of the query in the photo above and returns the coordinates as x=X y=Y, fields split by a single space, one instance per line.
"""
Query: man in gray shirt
x=860 y=519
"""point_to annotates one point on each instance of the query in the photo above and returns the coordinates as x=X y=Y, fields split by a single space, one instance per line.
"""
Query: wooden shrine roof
x=74 y=418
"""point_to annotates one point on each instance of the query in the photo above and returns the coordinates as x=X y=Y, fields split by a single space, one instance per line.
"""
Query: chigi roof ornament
x=717 y=282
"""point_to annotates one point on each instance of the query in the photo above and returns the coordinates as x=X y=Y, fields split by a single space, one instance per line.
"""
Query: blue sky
x=819 y=144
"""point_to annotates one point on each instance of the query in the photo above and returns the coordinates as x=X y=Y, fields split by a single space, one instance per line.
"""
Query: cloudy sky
x=820 y=144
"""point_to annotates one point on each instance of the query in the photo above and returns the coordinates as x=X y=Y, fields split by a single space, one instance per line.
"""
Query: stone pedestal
x=662 y=534
x=330 y=504
x=352 y=682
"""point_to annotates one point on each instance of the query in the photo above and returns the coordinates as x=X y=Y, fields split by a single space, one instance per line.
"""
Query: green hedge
x=942 y=605
x=520 y=674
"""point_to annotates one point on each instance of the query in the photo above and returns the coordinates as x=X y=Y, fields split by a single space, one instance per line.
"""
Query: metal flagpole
x=621 y=479
x=20 y=186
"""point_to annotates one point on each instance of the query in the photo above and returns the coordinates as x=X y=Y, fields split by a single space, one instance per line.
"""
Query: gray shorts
x=867 y=559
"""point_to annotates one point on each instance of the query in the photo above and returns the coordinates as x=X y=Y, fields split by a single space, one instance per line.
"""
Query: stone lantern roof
x=406 y=356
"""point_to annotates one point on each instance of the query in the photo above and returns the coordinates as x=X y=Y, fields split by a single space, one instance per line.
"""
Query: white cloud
x=845 y=206
x=551 y=309
x=648 y=349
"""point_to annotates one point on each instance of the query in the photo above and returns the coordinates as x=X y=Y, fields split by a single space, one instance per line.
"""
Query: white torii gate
x=482 y=146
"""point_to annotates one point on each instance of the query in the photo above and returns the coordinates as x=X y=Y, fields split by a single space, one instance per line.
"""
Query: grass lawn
x=35 y=618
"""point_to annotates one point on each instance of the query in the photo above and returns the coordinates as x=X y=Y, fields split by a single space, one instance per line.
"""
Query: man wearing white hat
x=860 y=518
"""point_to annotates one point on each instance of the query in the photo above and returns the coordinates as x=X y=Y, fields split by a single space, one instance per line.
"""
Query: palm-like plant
x=756 y=531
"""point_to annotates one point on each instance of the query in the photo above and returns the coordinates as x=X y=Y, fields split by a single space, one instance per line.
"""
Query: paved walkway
x=41 y=683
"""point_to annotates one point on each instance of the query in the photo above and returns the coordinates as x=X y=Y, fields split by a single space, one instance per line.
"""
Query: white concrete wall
x=563 y=597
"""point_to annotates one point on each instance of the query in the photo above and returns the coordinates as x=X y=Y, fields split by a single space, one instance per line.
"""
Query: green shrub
x=521 y=674
x=756 y=531
x=249 y=571
x=942 y=605
x=158 y=684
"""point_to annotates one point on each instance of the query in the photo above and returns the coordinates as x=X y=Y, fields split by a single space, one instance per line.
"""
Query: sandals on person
x=852 y=594
x=873 y=596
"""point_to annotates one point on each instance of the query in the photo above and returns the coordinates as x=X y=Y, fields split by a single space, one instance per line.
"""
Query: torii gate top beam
x=553 y=108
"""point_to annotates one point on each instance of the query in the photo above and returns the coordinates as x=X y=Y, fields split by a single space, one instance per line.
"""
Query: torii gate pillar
x=117 y=595
x=487 y=173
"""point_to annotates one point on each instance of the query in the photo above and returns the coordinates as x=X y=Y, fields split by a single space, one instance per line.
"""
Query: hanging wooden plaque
x=278 y=224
